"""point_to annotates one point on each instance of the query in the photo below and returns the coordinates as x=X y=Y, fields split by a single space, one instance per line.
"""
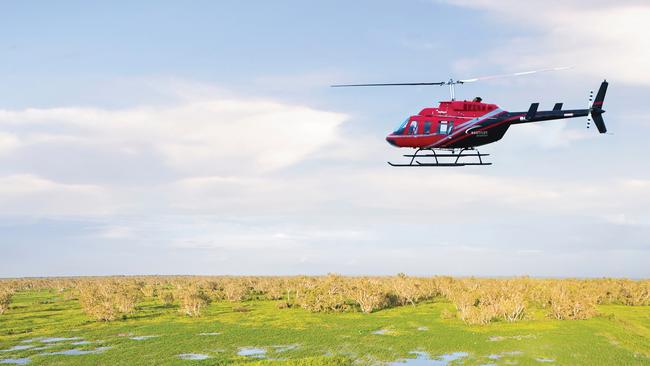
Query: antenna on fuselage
x=451 y=83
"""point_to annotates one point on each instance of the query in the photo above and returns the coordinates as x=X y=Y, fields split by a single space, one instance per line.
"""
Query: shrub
x=167 y=298
x=326 y=294
x=98 y=300
x=192 y=300
x=126 y=295
x=407 y=290
x=368 y=294
x=571 y=302
x=235 y=289
x=6 y=294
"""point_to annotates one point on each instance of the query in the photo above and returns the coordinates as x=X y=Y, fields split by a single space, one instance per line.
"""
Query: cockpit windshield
x=401 y=127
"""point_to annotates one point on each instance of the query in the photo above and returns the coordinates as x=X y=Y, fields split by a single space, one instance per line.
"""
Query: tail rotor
x=589 y=104
x=596 y=108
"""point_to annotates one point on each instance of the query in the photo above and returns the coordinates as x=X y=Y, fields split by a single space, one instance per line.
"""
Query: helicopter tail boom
x=595 y=112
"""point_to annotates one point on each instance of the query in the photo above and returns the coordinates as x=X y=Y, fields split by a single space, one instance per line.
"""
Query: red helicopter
x=454 y=129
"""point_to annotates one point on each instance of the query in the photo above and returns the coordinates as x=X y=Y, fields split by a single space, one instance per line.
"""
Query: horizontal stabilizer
x=532 y=111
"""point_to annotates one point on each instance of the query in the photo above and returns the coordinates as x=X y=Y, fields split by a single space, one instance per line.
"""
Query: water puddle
x=423 y=359
x=31 y=340
x=284 y=348
x=543 y=359
x=81 y=343
x=77 y=352
x=516 y=337
x=252 y=352
x=14 y=361
x=16 y=348
x=193 y=356
x=58 y=339
x=498 y=356
x=142 y=338
x=209 y=334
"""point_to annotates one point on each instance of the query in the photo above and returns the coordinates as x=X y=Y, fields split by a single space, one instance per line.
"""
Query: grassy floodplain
x=41 y=322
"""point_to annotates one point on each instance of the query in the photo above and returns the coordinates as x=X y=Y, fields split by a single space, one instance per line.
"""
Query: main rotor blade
x=480 y=78
x=390 y=84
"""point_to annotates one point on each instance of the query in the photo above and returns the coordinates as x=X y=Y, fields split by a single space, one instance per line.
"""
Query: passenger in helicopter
x=477 y=99
x=414 y=128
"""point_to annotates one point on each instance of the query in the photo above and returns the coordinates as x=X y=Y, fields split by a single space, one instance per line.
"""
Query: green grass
x=619 y=336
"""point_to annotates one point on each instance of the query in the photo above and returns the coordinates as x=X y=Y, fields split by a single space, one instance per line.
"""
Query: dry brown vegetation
x=477 y=300
x=108 y=299
x=192 y=299
x=5 y=298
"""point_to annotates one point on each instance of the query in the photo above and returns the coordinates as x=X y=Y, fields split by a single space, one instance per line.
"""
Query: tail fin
x=596 y=109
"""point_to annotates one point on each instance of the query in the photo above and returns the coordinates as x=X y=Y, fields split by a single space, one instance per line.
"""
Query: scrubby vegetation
x=6 y=293
x=476 y=300
x=192 y=298
x=110 y=299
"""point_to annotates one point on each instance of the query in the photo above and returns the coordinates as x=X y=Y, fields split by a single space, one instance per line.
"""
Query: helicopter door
x=427 y=127
x=445 y=127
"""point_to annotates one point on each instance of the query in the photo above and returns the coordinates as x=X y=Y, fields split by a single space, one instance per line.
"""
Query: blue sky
x=202 y=138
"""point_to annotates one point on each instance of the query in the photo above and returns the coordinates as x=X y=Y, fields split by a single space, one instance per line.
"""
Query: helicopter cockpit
x=401 y=127
x=428 y=127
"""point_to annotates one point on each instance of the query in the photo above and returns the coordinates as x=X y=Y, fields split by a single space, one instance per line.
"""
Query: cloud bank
x=601 y=38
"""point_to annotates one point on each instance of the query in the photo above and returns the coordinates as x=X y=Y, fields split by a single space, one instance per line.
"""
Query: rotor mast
x=452 y=90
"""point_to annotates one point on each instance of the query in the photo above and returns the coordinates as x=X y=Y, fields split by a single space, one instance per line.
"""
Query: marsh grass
x=620 y=335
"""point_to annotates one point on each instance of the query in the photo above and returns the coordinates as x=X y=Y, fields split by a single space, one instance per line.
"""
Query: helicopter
x=448 y=135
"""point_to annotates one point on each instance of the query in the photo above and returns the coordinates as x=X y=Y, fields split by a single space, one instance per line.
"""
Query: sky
x=201 y=137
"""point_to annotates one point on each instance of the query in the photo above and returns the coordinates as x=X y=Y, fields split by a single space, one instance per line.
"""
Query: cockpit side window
x=401 y=127
x=413 y=128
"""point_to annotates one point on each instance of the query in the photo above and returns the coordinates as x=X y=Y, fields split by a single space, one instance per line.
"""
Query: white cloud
x=69 y=159
x=601 y=38
x=8 y=142
x=116 y=232
x=214 y=135
x=34 y=196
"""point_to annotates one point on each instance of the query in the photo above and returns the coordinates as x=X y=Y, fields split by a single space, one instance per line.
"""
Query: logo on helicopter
x=472 y=131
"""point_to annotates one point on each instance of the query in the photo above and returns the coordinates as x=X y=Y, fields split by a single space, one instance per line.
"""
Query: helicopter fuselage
x=467 y=124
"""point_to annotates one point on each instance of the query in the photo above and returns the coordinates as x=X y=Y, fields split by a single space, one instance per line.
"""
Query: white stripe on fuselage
x=460 y=129
x=479 y=118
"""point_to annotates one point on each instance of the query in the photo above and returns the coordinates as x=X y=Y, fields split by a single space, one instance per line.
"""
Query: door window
x=445 y=127
x=413 y=130
x=427 y=127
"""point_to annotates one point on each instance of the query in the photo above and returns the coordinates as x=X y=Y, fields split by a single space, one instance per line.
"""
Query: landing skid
x=436 y=156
